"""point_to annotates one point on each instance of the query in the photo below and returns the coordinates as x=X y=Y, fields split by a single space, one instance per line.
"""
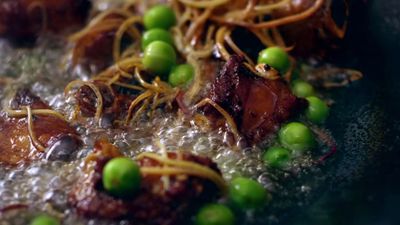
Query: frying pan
x=362 y=184
x=359 y=185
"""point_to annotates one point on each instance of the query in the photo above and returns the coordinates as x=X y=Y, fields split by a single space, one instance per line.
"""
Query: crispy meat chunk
x=25 y=19
x=87 y=99
x=154 y=203
x=94 y=49
x=257 y=105
x=94 y=52
x=312 y=36
x=115 y=104
x=55 y=134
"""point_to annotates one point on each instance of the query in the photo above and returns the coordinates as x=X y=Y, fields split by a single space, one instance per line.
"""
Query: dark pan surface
x=363 y=179
x=360 y=185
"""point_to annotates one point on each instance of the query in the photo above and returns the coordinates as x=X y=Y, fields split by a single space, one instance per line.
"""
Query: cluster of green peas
x=121 y=176
x=294 y=138
x=157 y=42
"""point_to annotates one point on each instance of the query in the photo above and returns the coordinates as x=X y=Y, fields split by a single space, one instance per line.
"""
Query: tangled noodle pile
x=203 y=31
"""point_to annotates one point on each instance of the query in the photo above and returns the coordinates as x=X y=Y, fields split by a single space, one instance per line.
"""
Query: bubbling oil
x=44 y=185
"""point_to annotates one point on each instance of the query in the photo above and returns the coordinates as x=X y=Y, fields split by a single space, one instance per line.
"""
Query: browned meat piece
x=94 y=46
x=257 y=105
x=53 y=133
x=94 y=51
x=109 y=97
x=313 y=35
x=25 y=19
x=115 y=105
x=87 y=99
x=154 y=203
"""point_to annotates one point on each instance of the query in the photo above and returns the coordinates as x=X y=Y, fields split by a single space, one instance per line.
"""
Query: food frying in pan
x=163 y=112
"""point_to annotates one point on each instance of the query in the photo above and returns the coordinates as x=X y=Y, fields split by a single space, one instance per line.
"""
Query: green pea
x=302 y=89
x=121 y=177
x=44 y=220
x=247 y=193
x=276 y=157
x=159 y=57
x=317 y=110
x=215 y=214
x=275 y=57
x=160 y=16
x=156 y=35
x=296 y=137
x=181 y=75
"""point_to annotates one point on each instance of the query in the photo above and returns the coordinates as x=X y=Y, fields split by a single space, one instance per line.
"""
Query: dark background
x=363 y=182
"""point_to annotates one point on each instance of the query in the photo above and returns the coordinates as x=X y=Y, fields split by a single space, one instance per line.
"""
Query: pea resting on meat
x=160 y=16
x=159 y=57
x=302 y=89
x=277 y=157
x=156 y=34
x=247 y=193
x=215 y=214
x=44 y=220
x=296 y=137
x=317 y=110
x=121 y=177
x=181 y=75
x=275 y=57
